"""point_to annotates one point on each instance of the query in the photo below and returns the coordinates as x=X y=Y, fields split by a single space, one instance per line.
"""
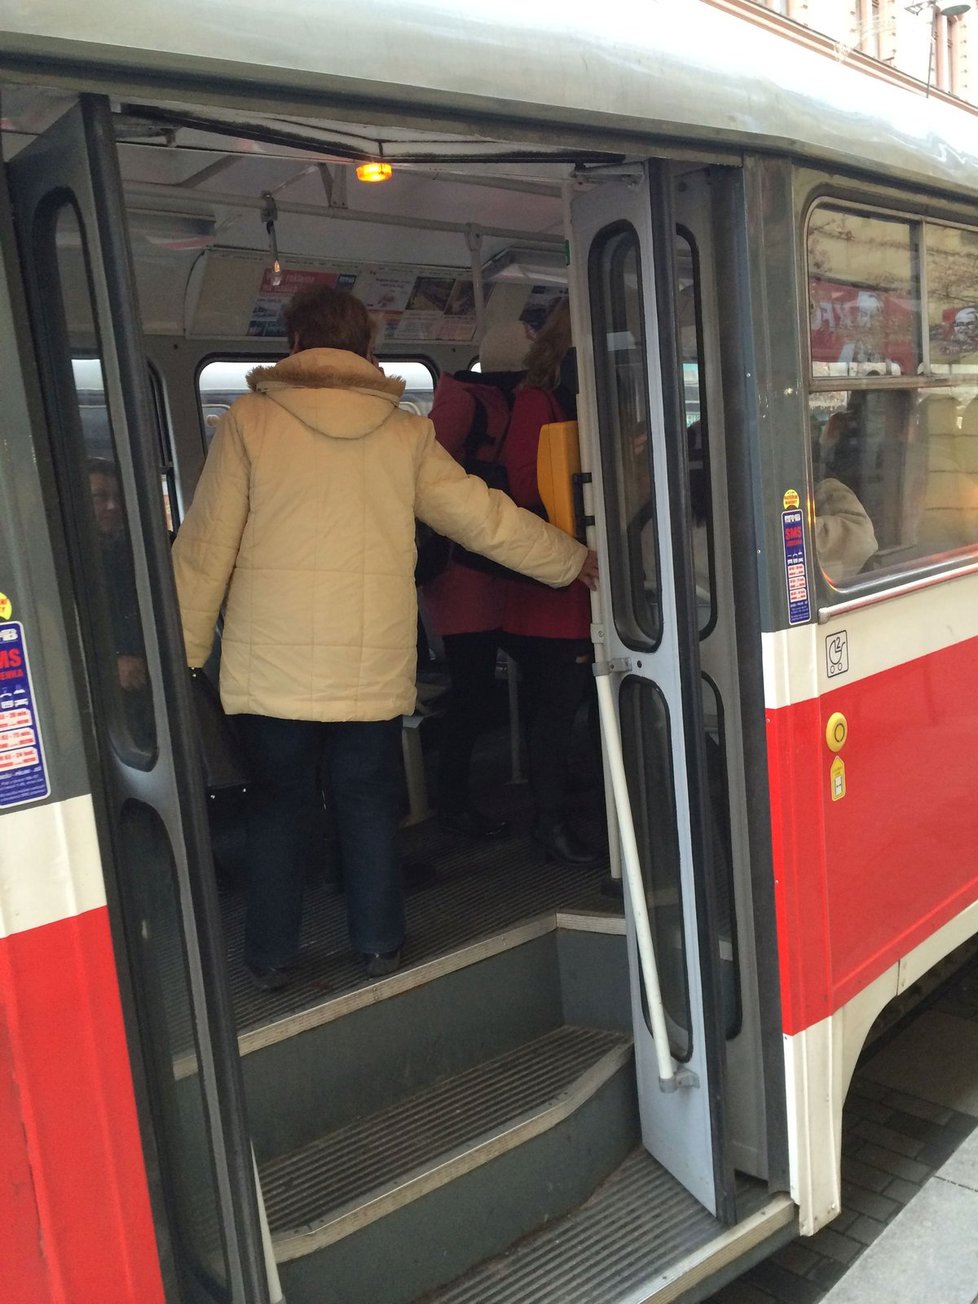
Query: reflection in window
x=697 y=443
x=107 y=562
x=896 y=465
x=617 y=314
x=952 y=301
x=863 y=294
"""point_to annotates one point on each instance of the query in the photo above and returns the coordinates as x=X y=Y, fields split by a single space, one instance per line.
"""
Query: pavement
x=908 y=1230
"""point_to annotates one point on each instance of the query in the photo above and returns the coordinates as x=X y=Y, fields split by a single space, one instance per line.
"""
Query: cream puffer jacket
x=304 y=519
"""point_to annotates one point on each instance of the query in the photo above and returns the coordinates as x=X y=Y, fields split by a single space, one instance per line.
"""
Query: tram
x=565 y=1093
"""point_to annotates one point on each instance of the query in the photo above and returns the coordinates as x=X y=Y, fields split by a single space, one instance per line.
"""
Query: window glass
x=647 y=747
x=863 y=294
x=697 y=443
x=101 y=547
x=952 y=302
x=222 y=380
x=895 y=463
x=103 y=521
x=620 y=365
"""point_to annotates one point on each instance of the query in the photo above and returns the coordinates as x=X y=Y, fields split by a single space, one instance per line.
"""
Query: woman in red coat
x=548 y=632
x=465 y=605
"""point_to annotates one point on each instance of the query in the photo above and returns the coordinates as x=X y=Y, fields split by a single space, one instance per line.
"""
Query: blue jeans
x=360 y=764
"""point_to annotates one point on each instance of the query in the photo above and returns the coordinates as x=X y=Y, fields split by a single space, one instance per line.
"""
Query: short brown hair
x=320 y=317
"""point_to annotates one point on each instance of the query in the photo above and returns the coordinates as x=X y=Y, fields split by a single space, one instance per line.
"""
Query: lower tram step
x=397 y=1203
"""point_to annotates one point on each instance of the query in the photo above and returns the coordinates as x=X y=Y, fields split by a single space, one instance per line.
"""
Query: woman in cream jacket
x=304 y=521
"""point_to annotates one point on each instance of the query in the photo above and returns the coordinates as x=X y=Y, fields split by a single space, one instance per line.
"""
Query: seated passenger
x=844 y=535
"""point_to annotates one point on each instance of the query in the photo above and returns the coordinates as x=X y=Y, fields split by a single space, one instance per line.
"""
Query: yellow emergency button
x=836 y=731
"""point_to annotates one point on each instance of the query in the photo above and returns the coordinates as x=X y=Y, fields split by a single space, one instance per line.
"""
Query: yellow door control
x=836 y=731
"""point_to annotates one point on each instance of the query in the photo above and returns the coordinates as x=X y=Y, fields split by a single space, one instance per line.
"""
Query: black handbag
x=221 y=753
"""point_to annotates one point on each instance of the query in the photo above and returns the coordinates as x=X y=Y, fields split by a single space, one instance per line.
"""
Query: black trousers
x=557 y=679
x=472 y=666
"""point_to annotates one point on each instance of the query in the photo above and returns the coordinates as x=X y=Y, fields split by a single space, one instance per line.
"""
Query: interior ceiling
x=208 y=173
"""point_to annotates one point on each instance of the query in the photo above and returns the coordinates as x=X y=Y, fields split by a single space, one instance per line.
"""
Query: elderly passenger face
x=106 y=502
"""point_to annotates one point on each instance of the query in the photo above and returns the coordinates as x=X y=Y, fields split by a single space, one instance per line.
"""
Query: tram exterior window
x=893 y=393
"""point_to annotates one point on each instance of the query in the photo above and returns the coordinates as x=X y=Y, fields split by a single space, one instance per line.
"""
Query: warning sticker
x=795 y=567
x=23 y=776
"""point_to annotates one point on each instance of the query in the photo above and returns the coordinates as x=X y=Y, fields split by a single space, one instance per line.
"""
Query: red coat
x=460 y=600
x=532 y=608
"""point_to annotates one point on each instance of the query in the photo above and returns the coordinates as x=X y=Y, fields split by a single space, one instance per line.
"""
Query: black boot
x=560 y=842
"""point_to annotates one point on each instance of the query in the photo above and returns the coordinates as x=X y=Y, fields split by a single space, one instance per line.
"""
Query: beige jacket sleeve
x=206 y=546
x=484 y=520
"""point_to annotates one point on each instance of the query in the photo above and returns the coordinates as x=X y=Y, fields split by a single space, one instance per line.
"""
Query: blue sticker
x=22 y=774
x=795 y=567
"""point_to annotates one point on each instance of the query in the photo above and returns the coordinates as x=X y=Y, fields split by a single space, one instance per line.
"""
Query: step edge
x=700 y=1265
x=453 y=1164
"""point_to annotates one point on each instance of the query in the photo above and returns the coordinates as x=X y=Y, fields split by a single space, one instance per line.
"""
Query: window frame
x=872 y=586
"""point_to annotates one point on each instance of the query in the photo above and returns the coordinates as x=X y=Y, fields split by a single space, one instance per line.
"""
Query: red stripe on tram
x=77 y=1222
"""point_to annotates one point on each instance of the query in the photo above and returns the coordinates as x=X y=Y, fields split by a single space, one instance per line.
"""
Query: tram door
x=632 y=396
x=144 y=772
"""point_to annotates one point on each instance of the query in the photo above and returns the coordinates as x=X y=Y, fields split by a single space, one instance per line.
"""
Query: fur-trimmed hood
x=331 y=390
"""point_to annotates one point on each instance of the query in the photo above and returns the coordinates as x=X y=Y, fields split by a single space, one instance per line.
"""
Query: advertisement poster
x=22 y=773
x=277 y=289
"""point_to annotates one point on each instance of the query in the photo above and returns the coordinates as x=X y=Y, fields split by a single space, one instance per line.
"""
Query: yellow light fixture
x=376 y=171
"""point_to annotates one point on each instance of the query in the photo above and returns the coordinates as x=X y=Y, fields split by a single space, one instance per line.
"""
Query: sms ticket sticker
x=23 y=775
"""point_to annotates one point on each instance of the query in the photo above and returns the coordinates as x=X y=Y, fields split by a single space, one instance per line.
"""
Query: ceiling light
x=374 y=171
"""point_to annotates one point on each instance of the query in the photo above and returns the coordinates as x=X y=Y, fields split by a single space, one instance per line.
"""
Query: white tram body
x=743 y=243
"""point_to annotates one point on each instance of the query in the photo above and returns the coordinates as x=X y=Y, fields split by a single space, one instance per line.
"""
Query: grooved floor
x=304 y=1188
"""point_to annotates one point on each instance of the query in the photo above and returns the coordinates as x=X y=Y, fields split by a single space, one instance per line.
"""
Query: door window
x=617 y=315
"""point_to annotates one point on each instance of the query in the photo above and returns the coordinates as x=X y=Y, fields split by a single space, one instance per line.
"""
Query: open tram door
x=142 y=763
x=656 y=613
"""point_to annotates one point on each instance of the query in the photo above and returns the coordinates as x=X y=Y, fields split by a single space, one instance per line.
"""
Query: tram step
x=366 y=1050
x=641 y=1235
x=398 y=1203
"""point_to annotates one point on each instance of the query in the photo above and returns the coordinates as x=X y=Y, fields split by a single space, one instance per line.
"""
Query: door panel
x=625 y=302
x=67 y=201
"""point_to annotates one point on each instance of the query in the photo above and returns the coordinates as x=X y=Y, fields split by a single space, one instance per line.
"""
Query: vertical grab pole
x=473 y=238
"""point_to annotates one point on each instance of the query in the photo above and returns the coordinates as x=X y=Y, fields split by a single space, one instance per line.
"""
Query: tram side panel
x=874 y=828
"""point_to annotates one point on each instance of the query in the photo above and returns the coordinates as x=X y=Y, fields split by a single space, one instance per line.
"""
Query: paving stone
x=797 y=1257
x=925 y=1109
x=741 y=1291
x=876 y=1206
x=902 y=1190
x=835 y=1246
x=936 y=1156
x=865 y=1230
x=785 y=1286
x=898 y=1141
x=862 y=1174
x=827 y=1272
x=868 y=1089
x=912 y=1170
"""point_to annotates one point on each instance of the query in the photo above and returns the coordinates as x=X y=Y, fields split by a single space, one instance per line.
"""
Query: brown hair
x=548 y=350
x=320 y=317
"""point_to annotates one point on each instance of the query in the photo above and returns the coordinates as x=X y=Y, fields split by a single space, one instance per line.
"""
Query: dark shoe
x=560 y=842
x=379 y=965
x=272 y=978
x=473 y=824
